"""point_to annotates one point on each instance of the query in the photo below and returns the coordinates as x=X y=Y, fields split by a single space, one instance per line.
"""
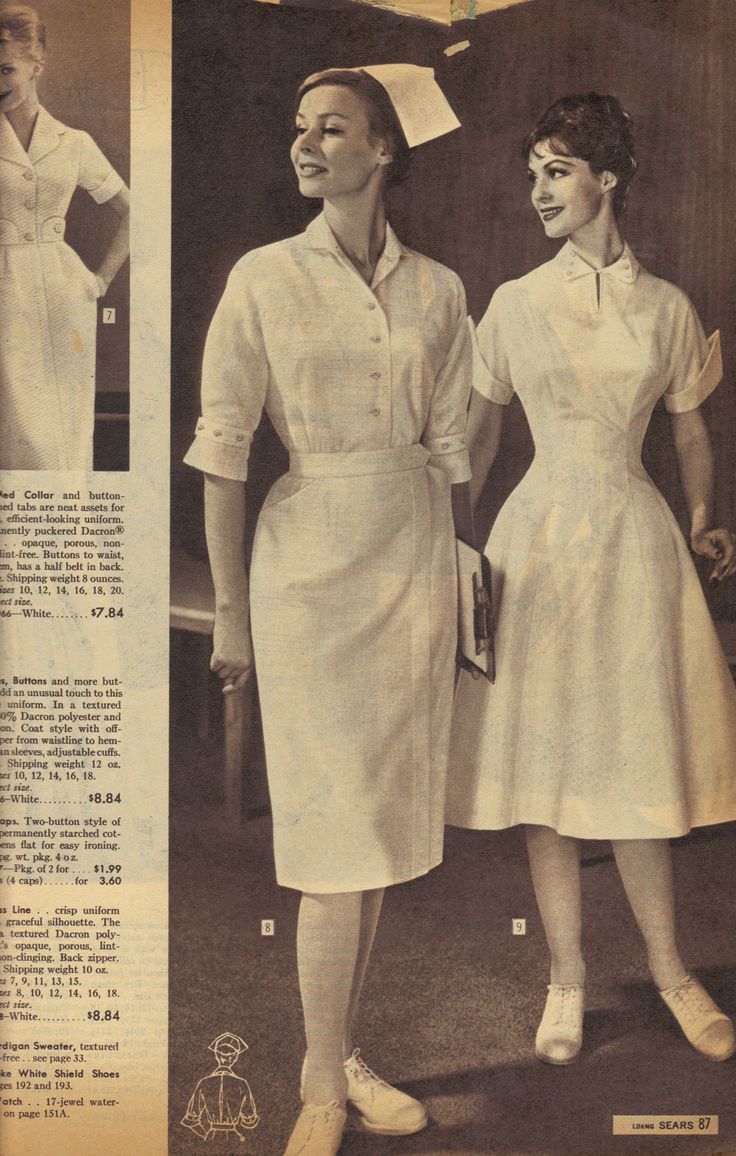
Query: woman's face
x=18 y=74
x=335 y=152
x=566 y=192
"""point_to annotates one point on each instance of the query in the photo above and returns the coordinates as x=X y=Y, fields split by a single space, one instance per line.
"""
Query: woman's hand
x=720 y=545
x=102 y=286
x=232 y=653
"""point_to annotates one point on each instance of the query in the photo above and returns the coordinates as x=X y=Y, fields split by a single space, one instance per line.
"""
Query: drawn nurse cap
x=227 y=1047
x=420 y=104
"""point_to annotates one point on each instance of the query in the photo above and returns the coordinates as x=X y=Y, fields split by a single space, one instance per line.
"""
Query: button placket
x=381 y=376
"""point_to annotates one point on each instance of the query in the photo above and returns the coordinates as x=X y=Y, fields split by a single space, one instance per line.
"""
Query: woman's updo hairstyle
x=382 y=116
x=22 y=26
x=597 y=130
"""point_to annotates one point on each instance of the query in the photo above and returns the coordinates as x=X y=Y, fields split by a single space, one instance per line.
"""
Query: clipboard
x=475 y=611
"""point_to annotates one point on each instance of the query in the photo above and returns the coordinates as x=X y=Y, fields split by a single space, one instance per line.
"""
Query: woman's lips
x=310 y=170
x=550 y=214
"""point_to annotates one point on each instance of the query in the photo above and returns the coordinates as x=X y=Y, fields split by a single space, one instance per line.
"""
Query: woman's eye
x=330 y=130
x=531 y=178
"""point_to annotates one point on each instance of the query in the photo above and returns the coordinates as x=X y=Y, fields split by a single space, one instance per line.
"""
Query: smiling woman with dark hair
x=613 y=715
x=358 y=349
x=48 y=297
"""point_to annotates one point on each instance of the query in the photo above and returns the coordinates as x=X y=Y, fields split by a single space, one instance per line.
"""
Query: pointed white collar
x=47 y=132
x=571 y=265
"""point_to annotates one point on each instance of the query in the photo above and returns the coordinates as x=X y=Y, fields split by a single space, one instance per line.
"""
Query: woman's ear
x=386 y=156
x=609 y=181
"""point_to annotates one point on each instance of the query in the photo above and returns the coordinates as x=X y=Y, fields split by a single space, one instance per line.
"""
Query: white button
x=29 y=236
x=375 y=375
x=375 y=340
x=372 y=305
x=30 y=203
x=28 y=174
x=57 y=227
x=376 y=411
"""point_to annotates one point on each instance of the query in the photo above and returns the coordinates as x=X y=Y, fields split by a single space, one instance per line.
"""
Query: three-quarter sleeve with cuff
x=444 y=433
x=234 y=382
x=491 y=372
x=696 y=367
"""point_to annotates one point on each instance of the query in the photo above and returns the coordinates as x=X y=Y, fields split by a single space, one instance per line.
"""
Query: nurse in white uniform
x=359 y=350
x=613 y=715
x=48 y=297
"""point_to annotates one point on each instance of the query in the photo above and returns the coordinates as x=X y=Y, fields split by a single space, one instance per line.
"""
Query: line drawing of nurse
x=48 y=296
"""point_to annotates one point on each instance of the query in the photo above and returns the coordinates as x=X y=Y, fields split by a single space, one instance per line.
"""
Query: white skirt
x=48 y=330
x=353 y=602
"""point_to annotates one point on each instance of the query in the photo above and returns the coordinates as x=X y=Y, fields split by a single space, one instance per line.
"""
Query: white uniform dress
x=353 y=589
x=613 y=714
x=48 y=308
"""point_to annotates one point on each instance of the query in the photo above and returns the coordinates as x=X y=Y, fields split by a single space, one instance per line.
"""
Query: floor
x=452 y=997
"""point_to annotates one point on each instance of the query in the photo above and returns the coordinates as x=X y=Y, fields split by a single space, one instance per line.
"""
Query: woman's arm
x=695 y=459
x=224 y=515
x=485 y=422
x=119 y=247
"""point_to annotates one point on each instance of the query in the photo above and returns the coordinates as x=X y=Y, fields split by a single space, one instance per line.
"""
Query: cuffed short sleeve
x=491 y=373
x=234 y=382
x=444 y=433
x=702 y=384
x=96 y=174
x=694 y=363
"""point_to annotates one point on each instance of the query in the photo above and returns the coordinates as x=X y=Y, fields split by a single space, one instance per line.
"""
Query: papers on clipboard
x=475 y=611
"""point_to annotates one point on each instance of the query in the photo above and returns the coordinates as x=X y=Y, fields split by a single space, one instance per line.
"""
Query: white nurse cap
x=418 y=101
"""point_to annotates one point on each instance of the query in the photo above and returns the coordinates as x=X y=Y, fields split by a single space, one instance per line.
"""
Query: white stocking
x=370 y=912
x=645 y=867
x=555 y=864
x=328 y=942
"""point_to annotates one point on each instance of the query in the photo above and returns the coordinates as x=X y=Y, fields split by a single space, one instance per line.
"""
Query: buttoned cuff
x=704 y=384
x=112 y=184
x=450 y=455
x=221 y=450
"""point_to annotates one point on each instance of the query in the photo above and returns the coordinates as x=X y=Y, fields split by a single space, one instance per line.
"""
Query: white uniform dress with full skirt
x=48 y=298
x=613 y=714
x=353 y=587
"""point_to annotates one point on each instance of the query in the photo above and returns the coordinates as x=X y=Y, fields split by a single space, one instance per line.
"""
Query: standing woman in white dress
x=613 y=715
x=48 y=297
x=359 y=350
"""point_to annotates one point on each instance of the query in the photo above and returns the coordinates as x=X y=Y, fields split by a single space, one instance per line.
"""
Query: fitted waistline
x=48 y=232
x=24 y=242
x=359 y=462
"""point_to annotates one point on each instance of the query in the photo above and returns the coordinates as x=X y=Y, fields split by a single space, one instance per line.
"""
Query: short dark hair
x=381 y=113
x=594 y=128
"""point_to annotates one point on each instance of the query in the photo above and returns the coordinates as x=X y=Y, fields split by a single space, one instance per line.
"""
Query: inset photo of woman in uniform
x=64 y=236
